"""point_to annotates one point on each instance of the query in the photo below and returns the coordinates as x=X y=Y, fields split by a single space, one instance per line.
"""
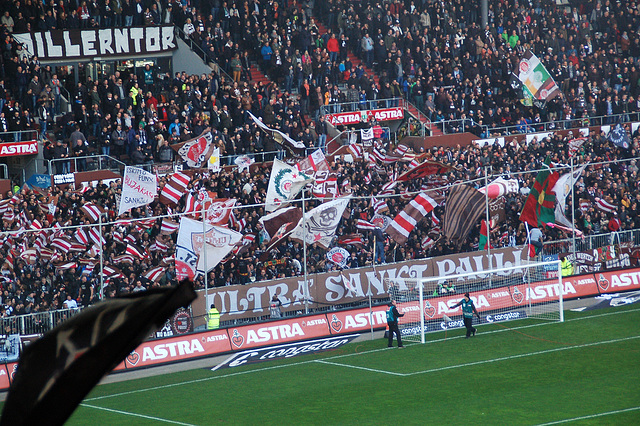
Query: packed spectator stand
x=434 y=54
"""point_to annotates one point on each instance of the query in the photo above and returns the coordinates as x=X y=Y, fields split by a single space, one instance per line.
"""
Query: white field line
x=258 y=370
x=360 y=368
x=126 y=413
x=510 y=357
x=591 y=416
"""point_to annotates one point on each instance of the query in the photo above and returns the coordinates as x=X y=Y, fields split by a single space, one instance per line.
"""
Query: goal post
x=531 y=290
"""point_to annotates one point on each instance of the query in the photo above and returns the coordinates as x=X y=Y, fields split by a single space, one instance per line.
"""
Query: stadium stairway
x=258 y=76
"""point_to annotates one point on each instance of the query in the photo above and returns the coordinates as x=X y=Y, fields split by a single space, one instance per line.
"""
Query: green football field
x=583 y=371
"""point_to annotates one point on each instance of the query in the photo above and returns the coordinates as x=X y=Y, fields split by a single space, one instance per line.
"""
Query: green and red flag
x=539 y=208
x=484 y=237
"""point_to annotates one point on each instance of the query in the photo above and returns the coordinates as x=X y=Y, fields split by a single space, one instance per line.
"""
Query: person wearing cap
x=213 y=318
x=468 y=309
x=392 y=322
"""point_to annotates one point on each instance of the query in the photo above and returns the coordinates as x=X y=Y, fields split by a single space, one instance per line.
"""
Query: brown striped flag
x=92 y=211
x=175 y=188
x=463 y=207
x=169 y=226
x=402 y=225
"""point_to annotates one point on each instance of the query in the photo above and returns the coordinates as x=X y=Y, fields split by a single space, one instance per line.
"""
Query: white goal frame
x=500 y=287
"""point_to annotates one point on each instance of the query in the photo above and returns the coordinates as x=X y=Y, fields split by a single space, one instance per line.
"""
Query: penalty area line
x=510 y=357
x=127 y=413
x=373 y=370
x=591 y=416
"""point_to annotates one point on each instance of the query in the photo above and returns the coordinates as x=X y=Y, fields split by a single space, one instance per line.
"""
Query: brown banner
x=354 y=285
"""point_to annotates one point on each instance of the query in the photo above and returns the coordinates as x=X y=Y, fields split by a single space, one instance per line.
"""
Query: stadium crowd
x=433 y=53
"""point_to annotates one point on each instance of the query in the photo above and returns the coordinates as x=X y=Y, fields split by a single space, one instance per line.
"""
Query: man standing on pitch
x=468 y=309
x=392 y=322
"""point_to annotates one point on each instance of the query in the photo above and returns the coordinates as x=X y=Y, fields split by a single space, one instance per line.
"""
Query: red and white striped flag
x=130 y=239
x=378 y=154
x=155 y=274
x=94 y=235
x=169 y=226
x=427 y=242
x=92 y=211
x=175 y=188
x=135 y=251
x=367 y=178
x=605 y=206
x=353 y=239
x=402 y=225
x=585 y=205
x=66 y=265
x=355 y=150
x=36 y=224
x=379 y=206
x=124 y=258
x=81 y=236
x=61 y=244
x=363 y=224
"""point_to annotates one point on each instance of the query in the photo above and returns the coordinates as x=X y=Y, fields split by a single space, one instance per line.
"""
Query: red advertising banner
x=4 y=377
x=355 y=117
x=289 y=330
x=357 y=320
x=614 y=282
x=18 y=148
x=178 y=348
x=502 y=298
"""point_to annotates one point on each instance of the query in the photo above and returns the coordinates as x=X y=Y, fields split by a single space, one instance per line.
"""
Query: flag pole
x=573 y=213
x=204 y=254
x=486 y=207
x=304 y=251
x=101 y=258
x=369 y=289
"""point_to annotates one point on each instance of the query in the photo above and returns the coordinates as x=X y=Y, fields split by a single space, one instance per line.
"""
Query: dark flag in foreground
x=57 y=371
x=463 y=207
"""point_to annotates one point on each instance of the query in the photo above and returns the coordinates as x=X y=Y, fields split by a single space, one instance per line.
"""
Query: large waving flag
x=539 y=209
x=175 y=188
x=463 y=207
x=319 y=224
x=535 y=81
x=139 y=188
x=402 y=225
x=196 y=151
x=424 y=169
x=274 y=221
x=500 y=187
x=284 y=184
x=57 y=371
x=281 y=138
x=562 y=189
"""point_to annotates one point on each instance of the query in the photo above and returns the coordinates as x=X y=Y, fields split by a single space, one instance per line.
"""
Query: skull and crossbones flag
x=319 y=224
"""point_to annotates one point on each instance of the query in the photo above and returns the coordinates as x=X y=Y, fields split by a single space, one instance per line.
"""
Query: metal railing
x=465 y=125
x=202 y=54
x=36 y=323
x=590 y=242
x=574 y=123
x=91 y=162
x=336 y=108
x=420 y=116
x=19 y=136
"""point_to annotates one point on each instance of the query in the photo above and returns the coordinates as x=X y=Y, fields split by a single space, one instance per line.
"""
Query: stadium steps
x=258 y=76
x=433 y=128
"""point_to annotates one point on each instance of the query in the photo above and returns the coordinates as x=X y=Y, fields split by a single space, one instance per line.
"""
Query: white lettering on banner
x=475 y=264
x=216 y=338
x=625 y=280
x=480 y=302
x=389 y=114
x=27 y=148
x=56 y=44
x=276 y=332
x=362 y=320
x=173 y=349
x=315 y=322
x=105 y=39
x=549 y=290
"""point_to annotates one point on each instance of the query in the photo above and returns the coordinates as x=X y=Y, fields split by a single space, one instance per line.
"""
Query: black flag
x=56 y=372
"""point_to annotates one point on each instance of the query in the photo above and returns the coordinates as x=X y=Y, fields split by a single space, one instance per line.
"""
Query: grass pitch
x=582 y=371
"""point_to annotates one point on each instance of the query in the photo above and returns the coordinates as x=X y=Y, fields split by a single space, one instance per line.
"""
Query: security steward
x=566 y=266
x=392 y=322
x=213 y=318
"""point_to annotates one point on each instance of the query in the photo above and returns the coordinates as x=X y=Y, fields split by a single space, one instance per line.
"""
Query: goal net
x=524 y=291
